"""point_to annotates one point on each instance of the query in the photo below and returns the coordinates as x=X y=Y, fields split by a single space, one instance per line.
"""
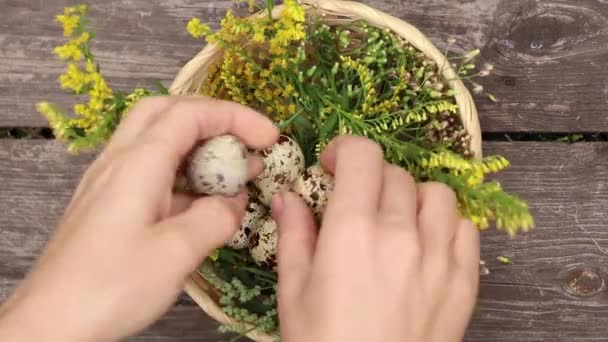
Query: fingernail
x=278 y=203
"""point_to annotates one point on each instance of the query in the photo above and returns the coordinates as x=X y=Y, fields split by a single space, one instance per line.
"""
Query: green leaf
x=161 y=88
x=270 y=6
x=329 y=126
x=303 y=132
x=214 y=255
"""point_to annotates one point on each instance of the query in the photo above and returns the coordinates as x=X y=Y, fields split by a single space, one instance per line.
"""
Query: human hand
x=126 y=243
x=393 y=261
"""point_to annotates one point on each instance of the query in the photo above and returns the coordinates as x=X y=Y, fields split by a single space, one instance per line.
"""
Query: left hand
x=126 y=242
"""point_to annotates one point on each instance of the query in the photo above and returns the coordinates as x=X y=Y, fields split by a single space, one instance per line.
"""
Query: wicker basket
x=190 y=79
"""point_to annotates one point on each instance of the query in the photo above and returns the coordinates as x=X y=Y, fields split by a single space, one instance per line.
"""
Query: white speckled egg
x=218 y=167
x=254 y=213
x=314 y=186
x=263 y=243
x=283 y=163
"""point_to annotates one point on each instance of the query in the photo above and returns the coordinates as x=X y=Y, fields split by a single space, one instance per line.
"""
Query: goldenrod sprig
x=95 y=120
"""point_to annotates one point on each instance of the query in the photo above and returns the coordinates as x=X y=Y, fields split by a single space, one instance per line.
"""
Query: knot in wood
x=583 y=282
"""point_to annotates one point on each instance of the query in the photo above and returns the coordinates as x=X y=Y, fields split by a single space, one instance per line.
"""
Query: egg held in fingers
x=283 y=164
x=218 y=167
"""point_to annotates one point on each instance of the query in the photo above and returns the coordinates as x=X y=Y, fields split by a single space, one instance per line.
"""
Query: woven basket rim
x=191 y=76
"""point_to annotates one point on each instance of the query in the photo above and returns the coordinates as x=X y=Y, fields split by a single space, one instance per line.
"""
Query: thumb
x=297 y=240
x=206 y=225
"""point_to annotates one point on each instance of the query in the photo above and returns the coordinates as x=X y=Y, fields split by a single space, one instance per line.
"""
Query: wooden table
x=551 y=59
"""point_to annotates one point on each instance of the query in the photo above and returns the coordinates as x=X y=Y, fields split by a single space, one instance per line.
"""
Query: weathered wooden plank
x=534 y=299
x=549 y=56
x=182 y=324
x=138 y=43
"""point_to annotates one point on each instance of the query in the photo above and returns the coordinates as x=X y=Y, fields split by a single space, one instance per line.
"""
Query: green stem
x=270 y=6
x=264 y=274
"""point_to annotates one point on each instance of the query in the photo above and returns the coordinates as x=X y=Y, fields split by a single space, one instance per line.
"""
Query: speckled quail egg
x=218 y=167
x=254 y=213
x=283 y=163
x=314 y=186
x=263 y=243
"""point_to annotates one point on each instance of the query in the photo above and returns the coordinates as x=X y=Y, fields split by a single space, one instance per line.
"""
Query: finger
x=358 y=165
x=255 y=165
x=399 y=200
x=455 y=312
x=297 y=238
x=458 y=307
x=140 y=117
x=437 y=219
x=204 y=118
x=180 y=202
x=466 y=248
x=137 y=120
x=160 y=150
x=193 y=234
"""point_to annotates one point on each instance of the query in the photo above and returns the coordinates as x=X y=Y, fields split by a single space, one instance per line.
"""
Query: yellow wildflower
x=277 y=49
x=99 y=87
x=91 y=67
x=366 y=80
x=391 y=104
x=71 y=19
x=289 y=33
x=480 y=221
x=136 y=95
x=84 y=38
x=494 y=164
x=73 y=50
x=69 y=51
x=293 y=11
x=475 y=178
x=198 y=29
x=268 y=93
x=504 y=259
x=227 y=23
x=69 y=23
x=74 y=79
x=76 y=10
x=259 y=30
x=289 y=89
x=56 y=118
x=449 y=161
x=88 y=117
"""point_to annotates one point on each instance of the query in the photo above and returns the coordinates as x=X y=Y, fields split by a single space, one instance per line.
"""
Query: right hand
x=393 y=261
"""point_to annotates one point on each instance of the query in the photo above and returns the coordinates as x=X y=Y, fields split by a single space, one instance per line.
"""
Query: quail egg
x=283 y=163
x=314 y=186
x=218 y=167
x=254 y=213
x=263 y=243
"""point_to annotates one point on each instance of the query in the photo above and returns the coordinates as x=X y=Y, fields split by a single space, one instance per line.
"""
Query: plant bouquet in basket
x=319 y=69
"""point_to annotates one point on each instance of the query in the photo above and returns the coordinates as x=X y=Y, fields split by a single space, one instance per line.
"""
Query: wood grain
x=182 y=324
x=526 y=301
x=550 y=56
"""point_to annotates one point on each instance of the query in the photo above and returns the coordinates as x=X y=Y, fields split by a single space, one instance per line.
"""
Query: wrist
x=14 y=327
